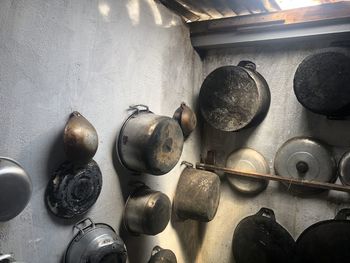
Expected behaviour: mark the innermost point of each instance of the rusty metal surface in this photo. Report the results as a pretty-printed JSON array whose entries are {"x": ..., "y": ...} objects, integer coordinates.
[
  {"x": 234, "y": 97},
  {"x": 73, "y": 189},
  {"x": 80, "y": 139},
  {"x": 197, "y": 195}
]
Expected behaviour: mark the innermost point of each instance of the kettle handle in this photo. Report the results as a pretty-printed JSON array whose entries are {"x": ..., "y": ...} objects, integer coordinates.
[
  {"x": 343, "y": 214},
  {"x": 155, "y": 250},
  {"x": 266, "y": 212},
  {"x": 139, "y": 107},
  {"x": 247, "y": 64},
  {"x": 82, "y": 229}
]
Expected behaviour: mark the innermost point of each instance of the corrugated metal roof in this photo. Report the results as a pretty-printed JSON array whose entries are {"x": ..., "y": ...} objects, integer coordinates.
[{"x": 197, "y": 10}]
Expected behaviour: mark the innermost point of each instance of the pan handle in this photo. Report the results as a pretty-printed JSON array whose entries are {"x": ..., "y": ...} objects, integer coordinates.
[
  {"x": 343, "y": 214},
  {"x": 82, "y": 229},
  {"x": 267, "y": 212}
]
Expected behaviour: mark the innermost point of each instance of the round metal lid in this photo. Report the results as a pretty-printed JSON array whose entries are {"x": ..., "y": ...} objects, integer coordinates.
[
  {"x": 15, "y": 189},
  {"x": 321, "y": 83},
  {"x": 73, "y": 189},
  {"x": 344, "y": 168},
  {"x": 229, "y": 98},
  {"x": 247, "y": 160},
  {"x": 305, "y": 158}
]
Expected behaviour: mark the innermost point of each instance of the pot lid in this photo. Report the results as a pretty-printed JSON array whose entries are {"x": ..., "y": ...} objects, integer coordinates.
[
  {"x": 344, "y": 168},
  {"x": 305, "y": 158},
  {"x": 15, "y": 189},
  {"x": 73, "y": 189},
  {"x": 247, "y": 160},
  {"x": 326, "y": 241},
  {"x": 259, "y": 238},
  {"x": 321, "y": 83},
  {"x": 229, "y": 98}
]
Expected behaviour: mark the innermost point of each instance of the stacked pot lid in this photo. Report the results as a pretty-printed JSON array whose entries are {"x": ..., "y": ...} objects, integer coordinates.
[{"x": 305, "y": 158}]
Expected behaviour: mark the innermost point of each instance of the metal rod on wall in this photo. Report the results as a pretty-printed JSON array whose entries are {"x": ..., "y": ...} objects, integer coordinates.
[{"x": 272, "y": 177}]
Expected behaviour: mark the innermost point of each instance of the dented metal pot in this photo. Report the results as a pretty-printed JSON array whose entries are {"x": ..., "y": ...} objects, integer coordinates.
[
  {"x": 149, "y": 143},
  {"x": 234, "y": 97},
  {"x": 147, "y": 211},
  {"x": 197, "y": 195}
]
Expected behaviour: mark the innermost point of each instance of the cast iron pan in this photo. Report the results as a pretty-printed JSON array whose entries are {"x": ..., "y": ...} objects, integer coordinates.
[
  {"x": 326, "y": 241},
  {"x": 260, "y": 239}
]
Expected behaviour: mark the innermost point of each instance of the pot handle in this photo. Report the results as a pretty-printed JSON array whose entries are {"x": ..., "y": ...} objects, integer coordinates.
[
  {"x": 82, "y": 229},
  {"x": 343, "y": 214},
  {"x": 247, "y": 64},
  {"x": 267, "y": 212},
  {"x": 139, "y": 107},
  {"x": 155, "y": 250}
]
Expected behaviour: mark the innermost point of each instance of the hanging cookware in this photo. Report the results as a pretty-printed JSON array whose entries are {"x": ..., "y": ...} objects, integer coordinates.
[
  {"x": 160, "y": 255},
  {"x": 322, "y": 83},
  {"x": 80, "y": 139},
  {"x": 234, "y": 97},
  {"x": 259, "y": 238},
  {"x": 146, "y": 211},
  {"x": 197, "y": 195},
  {"x": 247, "y": 160},
  {"x": 149, "y": 143},
  {"x": 6, "y": 258},
  {"x": 186, "y": 118},
  {"x": 344, "y": 168},
  {"x": 95, "y": 243},
  {"x": 73, "y": 189},
  {"x": 15, "y": 189},
  {"x": 326, "y": 241},
  {"x": 308, "y": 159}
]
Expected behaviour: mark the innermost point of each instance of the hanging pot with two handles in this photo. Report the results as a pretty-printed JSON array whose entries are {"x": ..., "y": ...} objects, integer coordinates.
[
  {"x": 149, "y": 143},
  {"x": 234, "y": 97}
]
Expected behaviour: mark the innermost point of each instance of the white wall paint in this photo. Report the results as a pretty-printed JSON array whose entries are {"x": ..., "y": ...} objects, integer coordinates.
[{"x": 97, "y": 57}]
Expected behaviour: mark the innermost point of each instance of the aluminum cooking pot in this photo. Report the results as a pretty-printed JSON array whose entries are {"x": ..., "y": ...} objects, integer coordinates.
[
  {"x": 149, "y": 143},
  {"x": 147, "y": 211},
  {"x": 15, "y": 189},
  {"x": 95, "y": 243},
  {"x": 234, "y": 97}
]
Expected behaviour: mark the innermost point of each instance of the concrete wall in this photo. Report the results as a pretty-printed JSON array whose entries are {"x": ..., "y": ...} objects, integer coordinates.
[
  {"x": 96, "y": 57},
  {"x": 286, "y": 119}
]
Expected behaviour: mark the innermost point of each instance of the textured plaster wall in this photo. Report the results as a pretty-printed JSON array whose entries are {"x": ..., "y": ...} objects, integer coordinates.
[
  {"x": 286, "y": 119},
  {"x": 97, "y": 57}
]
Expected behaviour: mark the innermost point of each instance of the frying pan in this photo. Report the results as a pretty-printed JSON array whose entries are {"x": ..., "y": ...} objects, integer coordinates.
[
  {"x": 326, "y": 241},
  {"x": 259, "y": 238}
]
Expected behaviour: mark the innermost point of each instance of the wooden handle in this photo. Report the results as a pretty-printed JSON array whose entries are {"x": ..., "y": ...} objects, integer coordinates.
[{"x": 272, "y": 177}]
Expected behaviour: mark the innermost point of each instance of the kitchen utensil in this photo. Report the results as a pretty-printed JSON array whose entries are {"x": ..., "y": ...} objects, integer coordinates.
[
  {"x": 149, "y": 143},
  {"x": 234, "y": 97},
  {"x": 80, "y": 139},
  {"x": 73, "y": 189},
  {"x": 160, "y": 255},
  {"x": 95, "y": 243},
  {"x": 147, "y": 211},
  {"x": 15, "y": 188},
  {"x": 306, "y": 159},
  {"x": 326, "y": 241},
  {"x": 322, "y": 83},
  {"x": 197, "y": 195},
  {"x": 247, "y": 160},
  {"x": 260, "y": 238},
  {"x": 187, "y": 119}
]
